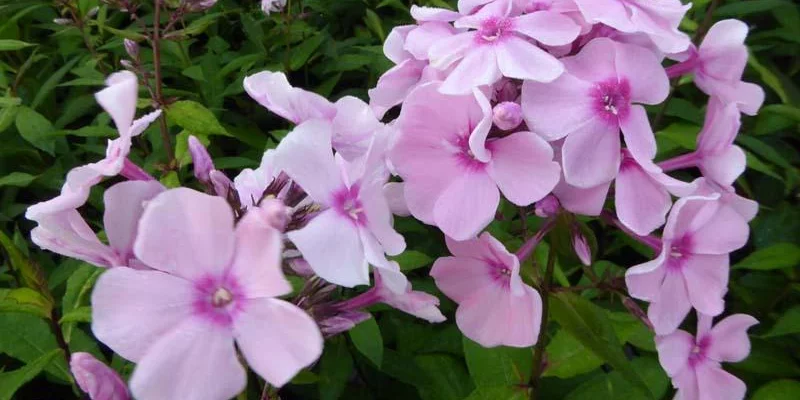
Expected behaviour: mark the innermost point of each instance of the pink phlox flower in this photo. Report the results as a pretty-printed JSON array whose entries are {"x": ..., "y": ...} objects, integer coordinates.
[
  {"x": 354, "y": 227},
  {"x": 693, "y": 363},
  {"x": 271, "y": 6},
  {"x": 68, "y": 234},
  {"x": 119, "y": 101},
  {"x": 419, "y": 304},
  {"x": 717, "y": 157},
  {"x": 352, "y": 121},
  {"x": 693, "y": 267},
  {"x": 659, "y": 19},
  {"x": 728, "y": 197},
  {"x": 96, "y": 379},
  {"x": 212, "y": 291},
  {"x": 591, "y": 102},
  {"x": 439, "y": 151},
  {"x": 495, "y": 308},
  {"x": 496, "y": 43},
  {"x": 250, "y": 184}
]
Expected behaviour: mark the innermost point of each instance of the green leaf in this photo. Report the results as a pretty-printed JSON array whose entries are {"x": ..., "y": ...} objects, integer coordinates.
[
  {"x": 497, "y": 366},
  {"x": 589, "y": 324},
  {"x": 26, "y": 338},
  {"x": 613, "y": 386},
  {"x": 25, "y": 300},
  {"x": 769, "y": 77},
  {"x": 52, "y": 81},
  {"x": 336, "y": 366},
  {"x": 301, "y": 54},
  {"x": 778, "y": 390},
  {"x": 769, "y": 360},
  {"x": 777, "y": 256},
  {"x": 10, "y": 382},
  {"x": 28, "y": 272},
  {"x": 449, "y": 379},
  {"x": 756, "y": 164},
  {"x": 787, "y": 324},
  {"x": 305, "y": 377},
  {"x": 410, "y": 260},
  {"x": 80, "y": 314},
  {"x": 182, "y": 146},
  {"x": 741, "y": 8},
  {"x": 11, "y": 45},
  {"x": 195, "y": 118},
  {"x": 18, "y": 179},
  {"x": 36, "y": 129},
  {"x": 498, "y": 393},
  {"x": 367, "y": 338},
  {"x": 567, "y": 357},
  {"x": 373, "y": 22}
]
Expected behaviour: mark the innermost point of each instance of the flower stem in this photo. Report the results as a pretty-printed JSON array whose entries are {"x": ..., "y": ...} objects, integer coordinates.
[
  {"x": 688, "y": 160},
  {"x": 538, "y": 355},
  {"x": 686, "y": 67},
  {"x": 159, "y": 82},
  {"x": 650, "y": 241}
]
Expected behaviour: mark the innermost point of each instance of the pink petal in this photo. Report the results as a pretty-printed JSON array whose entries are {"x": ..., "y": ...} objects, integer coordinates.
[
  {"x": 96, "y": 379},
  {"x": 306, "y": 156},
  {"x": 716, "y": 384},
  {"x": 723, "y": 168},
  {"x": 477, "y": 138},
  {"x": 558, "y": 108},
  {"x": 394, "y": 85},
  {"x": 520, "y": 59},
  {"x": 445, "y": 52},
  {"x": 277, "y": 339},
  {"x": 125, "y": 203},
  {"x": 643, "y": 70},
  {"x": 591, "y": 155},
  {"x": 729, "y": 341},
  {"x": 479, "y": 67},
  {"x": 118, "y": 99},
  {"x": 689, "y": 214},
  {"x": 467, "y": 205},
  {"x": 393, "y": 192},
  {"x": 353, "y": 127},
  {"x": 721, "y": 125},
  {"x": 142, "y": 123},
  {"x": 186, "y": 233},
  {"x": 132, "y": 309},
  {"x": 394, "y": 45},
  {"x": 195, "y": 360},
  {"x": 549, "y": 28},
  {"x": 257, "y": 263},
  {"x": 747, "y": 96},
  {"x": 379, "y": 219},
  {"x": 419, "y": 304},
  {"x": 723, "y": 233},
  {"x": 638, "y": 134},
  {"x": 674, "y": 350},
  {"x": 68, "y": 234},
  {"x": 331, "y": 245},
  {"x": 495, "y": 317},
  {"x": 588, "y": 201},
  {"x": 669, "y": 309},
  {"x": 641, "y": 202},
  {"x": 686, "y": 383},
  {"x": 706, "y": 280},
  {"x": 433, "y": 14},
  {"x": 644, "y": 280},
  {"x": 420, "y": 39},
  {"x": 466, "y": 7},
  {"x": 460, "y": 277},
  {"x": 522, "y": 167},
  {"x": 596, "y": 61},
  {"x": 273, "y": 91},
  {"x": 723, "y": 53},
  {"x": 609, "y": 12}
]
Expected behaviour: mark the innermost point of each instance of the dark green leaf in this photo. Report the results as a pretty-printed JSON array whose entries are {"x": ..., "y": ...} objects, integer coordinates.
[
  {"x": 195, "y": 118},
  {"x": 25, "y": 300},
  {"x": 787, "y": 324},
  {"x": 777, "y": 256},
  {"x": 36, "y": 129},
  {"x": 19, "y": 179},
  {"x": 366, "y": 337},
  {"x": 497, "y": 366},
  {"x": 778, "y": 390},
  {"x": 410, "y": 260},
  {"x": 26, "y": 338},
  {"x": 10, "y": 382},
  {"x": 336, "y": 366}
]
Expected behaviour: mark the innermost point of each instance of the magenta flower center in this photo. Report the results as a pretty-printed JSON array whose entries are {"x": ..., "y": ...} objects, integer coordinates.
[
  {"x": 612, "y": 99},
  {"x": 698, "y": 353},
  {"x": 218, "y": 299},
  {"x": 348, "y": 204},
  {"x": 679, "y": 253},
  {"x": 221, "y": 297},
  {"x": 500, "y": 273},
  {"x": 493, "y": 29}
]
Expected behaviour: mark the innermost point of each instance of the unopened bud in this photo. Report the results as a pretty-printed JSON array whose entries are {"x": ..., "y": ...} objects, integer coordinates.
[
  {"x": 63, "y": 21},
  {"x": 581, "y": 248},
  {"x": 342, "y": 322},
  {"x": 201, "y": 160},
  {"x": 222, "y": 184},
  {"x": 97, "y": 379},
  {"x": 127, "y": 64},
  {"x": 507, "y": 115},
  {"x": 200, "y": 5},
  {"x": 637, "y": 311},
  {"x": 132, "y": 48},
  {"x": 547, "y": 207}
]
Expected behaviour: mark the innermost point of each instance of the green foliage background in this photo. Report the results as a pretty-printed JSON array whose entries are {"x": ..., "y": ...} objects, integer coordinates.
[{"x": 49, "y": 122}]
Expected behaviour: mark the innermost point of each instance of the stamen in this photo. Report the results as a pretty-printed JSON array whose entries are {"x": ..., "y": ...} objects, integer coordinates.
[{"x": 221, "y": 297}]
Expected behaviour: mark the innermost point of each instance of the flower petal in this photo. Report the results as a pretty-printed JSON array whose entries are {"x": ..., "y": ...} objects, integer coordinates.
[
  {"x": 714, "y": 383},
  {"x": 556, "y": 109},
  {"x": 273, "y": 91},
  {"x": 520, "y": 59},
  {"x": 477, "y": 68},
  {"x": 548, "y": 27},
  {"x": 125, "y": 203},
  {"x": 729, "y": 341},
  {"x": 706, "y": 278},
  {"x": 591, "y": 155},
  {"x": 639, "y": 137},
  {"x": 674, "y": 350},
  {"x": 522, "y": 166},
  {"x": 641, "y": 202},
  {"x": 257, "y": 262},
  {"x": 642, "y": 69},
  {"x": 495, "y": 317},
  {"x": 467, "y": 205},
  {"x": 669, "y": 309},
  {"x": 118, "y": 99}
]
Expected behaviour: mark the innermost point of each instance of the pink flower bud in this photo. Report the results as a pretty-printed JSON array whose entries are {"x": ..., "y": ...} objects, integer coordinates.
[
  {"x": 221, "y": 183},
  {"x": 547, "y": 207},
  {"x": 201, "y": 5},
  {"x": 342, "y": 322},
  {"x": 581, "y": 248},
  {"x": 507, "y": 115},
  {"x": 127, "y": 64},
  {"x": 201, "y": 159},
  {"x": 132, "y": 48},
  {"x": 97, "y": 379},
  {"x": 300, "y": 266}
]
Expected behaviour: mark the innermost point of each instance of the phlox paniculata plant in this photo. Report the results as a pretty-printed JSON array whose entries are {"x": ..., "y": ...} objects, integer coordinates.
[{"x": 538, "y": 102}]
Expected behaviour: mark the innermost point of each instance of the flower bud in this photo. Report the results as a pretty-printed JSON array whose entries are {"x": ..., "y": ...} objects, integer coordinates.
[
  {"x": 127, "y": 64},
  {"x": 97, "y": 379},
  {"x": 222, "y": 184},
  {"x": 63, "y": 21},
  {"x": 342, "y": 322},
  {"x": 582, "y": 249},
  {"x": 201, "y": 159},
  {"x": 507, "y": 115},
  {"x": 547, "y": 207},
  {"x": 132, "y": 48},
  {"x": 200, "y": 5}
]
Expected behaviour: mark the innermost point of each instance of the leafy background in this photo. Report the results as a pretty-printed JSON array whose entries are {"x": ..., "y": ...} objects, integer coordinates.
[{"x": 49, "y": 122}]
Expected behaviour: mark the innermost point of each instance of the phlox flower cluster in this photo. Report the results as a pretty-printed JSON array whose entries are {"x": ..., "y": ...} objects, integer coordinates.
[{"x": 542, "y": 103}]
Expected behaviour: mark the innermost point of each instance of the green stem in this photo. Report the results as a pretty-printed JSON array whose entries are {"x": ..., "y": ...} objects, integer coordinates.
[
  {"x": 538, "y": 355},
  {"x": 159, "y": 83}
]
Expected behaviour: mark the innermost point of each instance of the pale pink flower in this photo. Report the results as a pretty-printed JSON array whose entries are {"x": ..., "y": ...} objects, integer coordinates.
[
  {"x": 271, "y": 6},
  {"x": 693, "y": 266},
  {"x": 453, "y": 174},
  {"x": 499, "y": 44},
  {"x": 495, "y": 308},
  {"x": 352, "y": 121},
  {"x": 119, "y": 100},
  {"x": 213, "y": 285},
  {"x": 68, "y": 234},
  {"x": 250, "y": 184},
  {"x": 719, "y": 64},
  {"x": 592, "y": 102},
  {"x": 201, "y": 160},
  {"x": 354, "y": 227},
  {"x": 693, "y": 363},
  {"x": 96, "y": 379},
  {"x": 658, "y": 19},
  {"x": 727, "y": 197}
]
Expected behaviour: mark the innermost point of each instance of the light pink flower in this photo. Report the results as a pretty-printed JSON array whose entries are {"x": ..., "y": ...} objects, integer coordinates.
[
  {"x": 250, "y": 184},
  {"x": 119, "y": 100},
  {"x": 440, "y": 143},
  {"x": 658, "y": 19},
  {"x": 212, "y": 285},
  {"x": 96, "y": 379},
  {"x": 498, "y": 44},
  {"x": 693, "y": 266},
  {"x": 592, "y": 102},
  {"x": 694, "y": 363},
  {"x": 352, "y": 121},
  {"x": 270, "y": 6},
  {"x": 68, "y": 234},
  {"x": 354, "y": 229},
  {"x": 727, "y": 197},
  {"x": 495, "y": 308}
]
